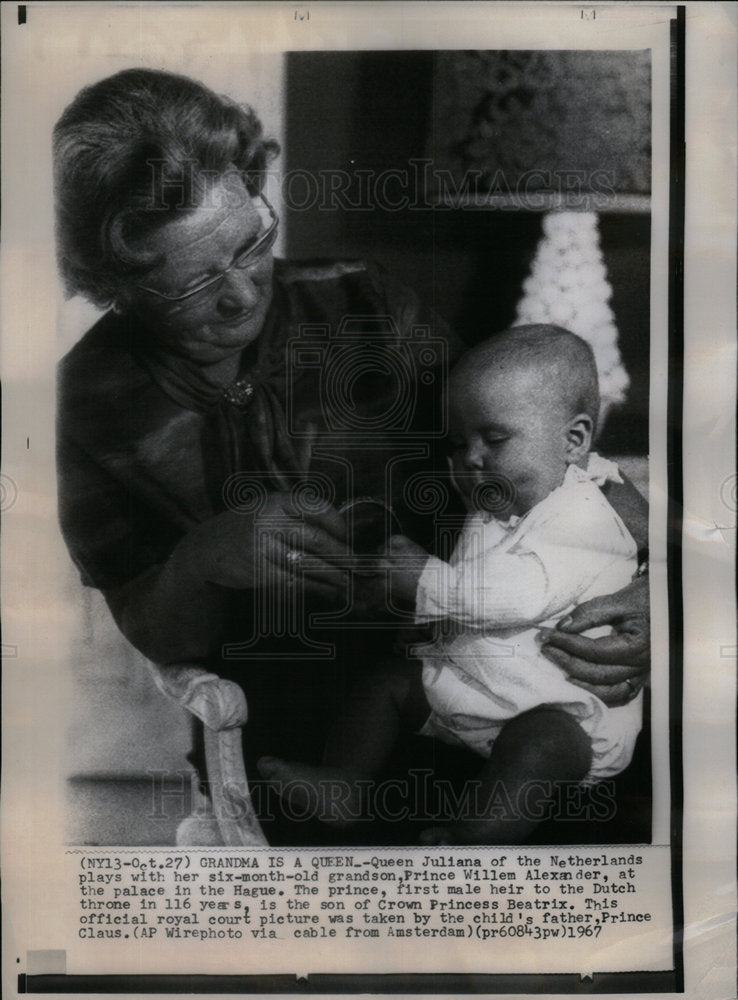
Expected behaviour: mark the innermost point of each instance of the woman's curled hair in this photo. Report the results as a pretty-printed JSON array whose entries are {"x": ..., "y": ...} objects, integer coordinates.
[{"x": 130, "y": 152}]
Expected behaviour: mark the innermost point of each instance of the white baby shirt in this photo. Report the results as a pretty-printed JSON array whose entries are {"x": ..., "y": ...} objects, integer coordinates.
[{"x": 502, "y": 583}]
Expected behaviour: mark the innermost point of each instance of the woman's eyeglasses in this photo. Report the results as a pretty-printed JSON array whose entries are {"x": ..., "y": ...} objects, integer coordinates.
[{"x": 250, "y": 257}]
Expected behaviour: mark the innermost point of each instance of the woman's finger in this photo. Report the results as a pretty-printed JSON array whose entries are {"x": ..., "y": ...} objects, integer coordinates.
[
  {"x": 630, "y": 602},
  {"x": 612, "y": 695},
  {"x": 311, "y": 547},
  {"x": 623, "y": 648},
  {"x": 319, "y": 542},
  {"x": 330, "y": 521},
  {"x": 274, "y": 536},
  {"x": 283, "y": 511},
  {"x": 330, "y": 585},
  {"x": 325, "y": 574},
  {"x": 295, "y": 563},
  {"x": 327, "y": 592},
  {"x": 606, "y": 674}
]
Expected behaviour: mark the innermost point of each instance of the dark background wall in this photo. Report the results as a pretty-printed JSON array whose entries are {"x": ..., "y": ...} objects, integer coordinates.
[{"x": 354, "y": 112}]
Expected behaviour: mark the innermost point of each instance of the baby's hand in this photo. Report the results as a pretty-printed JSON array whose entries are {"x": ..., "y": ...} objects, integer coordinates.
[
  {"x": 398, "y": 547},
  {"x": 404, "y": 562}
]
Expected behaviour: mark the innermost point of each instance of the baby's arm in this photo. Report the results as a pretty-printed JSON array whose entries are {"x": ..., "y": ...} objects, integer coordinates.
[
  {"x": 404, "y": 562},
  {"x": 486, "y": 590},
  {"x": 494, "y": 590},
  {"x": 540, "y": 572}
]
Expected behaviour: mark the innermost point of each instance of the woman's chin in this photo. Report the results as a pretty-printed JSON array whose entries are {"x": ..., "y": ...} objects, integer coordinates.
[{"x": 222, "y": 342}]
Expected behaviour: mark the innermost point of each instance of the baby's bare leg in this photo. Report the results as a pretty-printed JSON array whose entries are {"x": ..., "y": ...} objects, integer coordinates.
[
  {"x": 359, "y": 746},
  {"x": 388, "y": 702},
  {"x": 533, "y": 753}
]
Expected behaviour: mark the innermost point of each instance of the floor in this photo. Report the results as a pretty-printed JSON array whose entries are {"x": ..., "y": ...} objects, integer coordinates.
[{"x": 143, "y": 811}]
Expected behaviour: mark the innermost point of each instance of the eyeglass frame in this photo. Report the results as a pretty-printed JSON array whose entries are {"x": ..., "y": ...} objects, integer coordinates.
[{"x": 267, "y": 234}]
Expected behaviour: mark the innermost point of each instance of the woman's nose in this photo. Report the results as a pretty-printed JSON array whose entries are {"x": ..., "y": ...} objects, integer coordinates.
[
  {"x": 237, "y": 294},
  {"x": 474, "y": 455}
]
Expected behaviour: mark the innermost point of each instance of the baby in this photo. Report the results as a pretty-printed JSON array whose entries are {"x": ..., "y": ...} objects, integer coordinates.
[{"x": 539, "y": 538}]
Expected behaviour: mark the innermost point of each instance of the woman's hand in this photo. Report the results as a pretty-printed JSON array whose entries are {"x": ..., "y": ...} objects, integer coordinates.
[
  {"x": 275, "y": 548},
  {"x": 614, "y": 667}
]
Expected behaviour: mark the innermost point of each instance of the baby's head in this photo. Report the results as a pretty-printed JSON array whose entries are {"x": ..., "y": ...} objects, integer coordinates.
[{"x": 523, "y": 407}]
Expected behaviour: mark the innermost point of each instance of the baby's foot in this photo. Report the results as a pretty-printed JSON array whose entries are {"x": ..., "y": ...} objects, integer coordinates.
[{"x": 328, "y": 794}]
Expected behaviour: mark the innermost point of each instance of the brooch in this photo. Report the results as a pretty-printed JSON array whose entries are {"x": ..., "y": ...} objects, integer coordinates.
[{"x": 239, "y": 394}]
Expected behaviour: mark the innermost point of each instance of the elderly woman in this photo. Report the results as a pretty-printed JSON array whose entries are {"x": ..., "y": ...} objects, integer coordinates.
[{"x": 217, "y": 419}]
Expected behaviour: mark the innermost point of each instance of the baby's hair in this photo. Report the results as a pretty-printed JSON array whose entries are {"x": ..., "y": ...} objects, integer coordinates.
[{"x": 564, "y": 359}]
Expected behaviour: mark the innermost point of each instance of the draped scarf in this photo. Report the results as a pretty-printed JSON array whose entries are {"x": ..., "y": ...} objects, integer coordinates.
[{"x": 244, "y": 424}]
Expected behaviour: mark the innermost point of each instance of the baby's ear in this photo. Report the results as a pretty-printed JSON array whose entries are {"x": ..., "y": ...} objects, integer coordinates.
[{"x": 579, "y": 432}]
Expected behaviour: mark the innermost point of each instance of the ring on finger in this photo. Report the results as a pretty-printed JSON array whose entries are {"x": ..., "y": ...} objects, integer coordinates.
[
  {"x": 633, "y": 689},
  {"x": 293, "y": 557}
]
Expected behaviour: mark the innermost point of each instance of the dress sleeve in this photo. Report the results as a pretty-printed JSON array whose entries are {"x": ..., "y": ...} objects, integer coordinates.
[{"x": 110, "y": 536}]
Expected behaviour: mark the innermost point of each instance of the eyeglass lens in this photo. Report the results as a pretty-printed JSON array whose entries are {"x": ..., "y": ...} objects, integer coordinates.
[{"x": 251, "y": 256}]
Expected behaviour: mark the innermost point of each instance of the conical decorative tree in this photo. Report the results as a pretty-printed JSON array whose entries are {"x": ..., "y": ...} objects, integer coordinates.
[{"x": 568, "y": 286}]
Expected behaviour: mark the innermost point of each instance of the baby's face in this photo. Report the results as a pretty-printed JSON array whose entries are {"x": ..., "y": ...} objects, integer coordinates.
[{"x": 508, "y": 436}]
